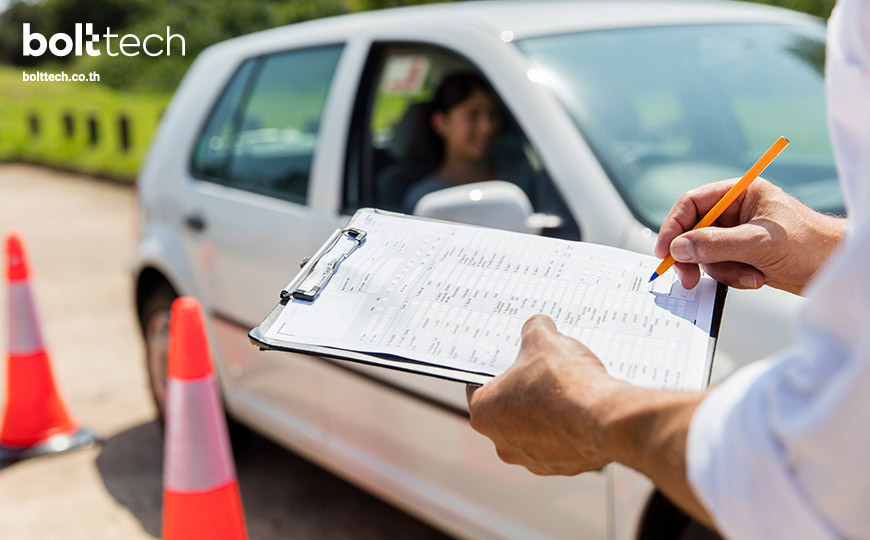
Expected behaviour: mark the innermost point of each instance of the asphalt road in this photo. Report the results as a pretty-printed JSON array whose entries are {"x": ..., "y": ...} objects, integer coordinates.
[{"x": 79, "y": 235}]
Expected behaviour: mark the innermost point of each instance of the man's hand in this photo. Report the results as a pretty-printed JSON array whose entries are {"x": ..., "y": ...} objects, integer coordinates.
[
  {"x": 556, "y": 411},
  {"x": 540, "y": 412},
  {"x": 766, "y": 237}
]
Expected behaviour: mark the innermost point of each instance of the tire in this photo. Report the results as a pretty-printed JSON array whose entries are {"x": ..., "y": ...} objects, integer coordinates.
[
  {"x": 155, "y": 332},
  {"x": 154, "y": 319}
]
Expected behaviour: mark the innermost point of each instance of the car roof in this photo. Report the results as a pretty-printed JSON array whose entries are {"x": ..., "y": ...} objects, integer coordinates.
[
  {"x": 532, "y": 18},
  {"x": 523, "y": 19}
]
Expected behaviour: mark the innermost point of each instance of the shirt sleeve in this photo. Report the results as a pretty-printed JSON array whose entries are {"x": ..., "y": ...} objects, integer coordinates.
[
  {"x": 781, "y": 449},
  {"x": 847, "y": 84}
]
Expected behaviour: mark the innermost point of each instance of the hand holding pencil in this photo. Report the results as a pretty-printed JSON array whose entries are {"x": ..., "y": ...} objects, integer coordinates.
[{"x": 764, "y": 236}]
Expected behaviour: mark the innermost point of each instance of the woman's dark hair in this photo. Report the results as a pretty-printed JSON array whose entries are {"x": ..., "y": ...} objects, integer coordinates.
[
  {"x": 452, "y": 91},
  {"x": 456, "y": 88}
]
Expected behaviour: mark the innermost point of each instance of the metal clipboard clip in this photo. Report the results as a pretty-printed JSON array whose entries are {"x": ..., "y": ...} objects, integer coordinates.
[{"x": 357, "y": 235}]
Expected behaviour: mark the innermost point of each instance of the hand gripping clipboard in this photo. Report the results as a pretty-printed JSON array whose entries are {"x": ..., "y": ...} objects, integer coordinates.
[
  {"x": 300, "y": 287},
  {"x": 311, "y": 280}
]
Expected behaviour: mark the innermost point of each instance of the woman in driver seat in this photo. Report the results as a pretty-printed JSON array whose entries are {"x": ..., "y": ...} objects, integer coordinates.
[{"x": 466, "y": 117}]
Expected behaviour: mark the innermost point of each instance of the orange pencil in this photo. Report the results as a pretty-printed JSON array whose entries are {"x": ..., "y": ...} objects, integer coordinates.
[{"x": 730, "y": 197}]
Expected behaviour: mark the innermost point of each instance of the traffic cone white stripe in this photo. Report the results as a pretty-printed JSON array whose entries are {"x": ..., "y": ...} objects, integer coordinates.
[
  {"x": 24, "y": 335},
  {"x": 194, "y": 422}
]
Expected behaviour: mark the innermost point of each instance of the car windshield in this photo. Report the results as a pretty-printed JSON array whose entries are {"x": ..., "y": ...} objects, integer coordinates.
[{"x": 667, "y": 109}]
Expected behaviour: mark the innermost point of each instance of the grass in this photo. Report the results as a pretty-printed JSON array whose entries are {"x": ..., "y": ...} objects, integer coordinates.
[{"x": 50, "y": 101}]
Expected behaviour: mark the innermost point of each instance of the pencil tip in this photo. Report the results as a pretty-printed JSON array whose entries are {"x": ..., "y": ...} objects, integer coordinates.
[{"x": 654, "y": 276}]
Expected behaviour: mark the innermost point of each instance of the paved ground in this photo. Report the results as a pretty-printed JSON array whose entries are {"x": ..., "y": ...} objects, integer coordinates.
[{"x": 79, "y": 233}]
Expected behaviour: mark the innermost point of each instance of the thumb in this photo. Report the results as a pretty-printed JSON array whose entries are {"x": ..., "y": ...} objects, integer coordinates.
[{"x": 719, "y": 244}]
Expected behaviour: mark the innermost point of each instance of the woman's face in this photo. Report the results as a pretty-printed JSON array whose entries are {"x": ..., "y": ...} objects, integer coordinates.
[{"x": 470, "y": 126}]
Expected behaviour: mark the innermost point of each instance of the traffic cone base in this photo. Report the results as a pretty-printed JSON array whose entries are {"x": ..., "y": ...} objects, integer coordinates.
[
  {"x": 211, "y": 514},
  {"x": 35, "y": 409},
  {"x": 56, "y": 444}
]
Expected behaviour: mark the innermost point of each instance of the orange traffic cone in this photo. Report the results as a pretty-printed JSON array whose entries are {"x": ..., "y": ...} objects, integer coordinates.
[
  {"x": 200, "y": 493},
  {"x": 36, "y": 421}
]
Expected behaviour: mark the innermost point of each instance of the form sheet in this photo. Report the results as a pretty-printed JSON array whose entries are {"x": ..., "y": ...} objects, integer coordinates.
[{"x": 458, "y": 296}]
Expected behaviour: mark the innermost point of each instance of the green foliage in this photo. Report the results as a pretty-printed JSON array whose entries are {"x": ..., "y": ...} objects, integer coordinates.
[
  {"x": 201, "y": 22},
  {"x": 819, "y": 8},
  {"x": 50, "y": 101}
]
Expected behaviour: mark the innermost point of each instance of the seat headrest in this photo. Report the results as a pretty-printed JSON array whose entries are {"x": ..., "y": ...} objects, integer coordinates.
[{"x": 413, "y": 139}]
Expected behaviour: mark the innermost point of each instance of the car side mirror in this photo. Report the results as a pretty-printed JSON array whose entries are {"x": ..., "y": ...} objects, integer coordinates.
[{"x": 495, "y": 203}]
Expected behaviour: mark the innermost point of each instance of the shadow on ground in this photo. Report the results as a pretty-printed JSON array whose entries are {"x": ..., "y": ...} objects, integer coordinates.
[{"x": 284, "y": 496}]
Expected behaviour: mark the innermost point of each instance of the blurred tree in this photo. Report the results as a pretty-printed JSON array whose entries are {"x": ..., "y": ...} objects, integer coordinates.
[{"x": 10, "y": 30}]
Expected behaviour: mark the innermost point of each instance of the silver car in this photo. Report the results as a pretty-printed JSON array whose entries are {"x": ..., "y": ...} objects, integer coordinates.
[{"x": 611, "y": 110}]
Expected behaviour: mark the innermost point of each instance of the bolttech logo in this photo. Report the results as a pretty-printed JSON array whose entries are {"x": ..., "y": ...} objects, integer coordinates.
[{"x": 85, "y": 39}]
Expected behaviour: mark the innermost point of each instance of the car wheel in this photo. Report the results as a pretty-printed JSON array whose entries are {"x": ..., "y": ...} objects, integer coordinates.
[{"x": 155, "y": 329}]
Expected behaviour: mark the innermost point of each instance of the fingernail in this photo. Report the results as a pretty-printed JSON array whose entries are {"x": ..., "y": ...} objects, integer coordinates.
[
  {"x": 749, "y": 281},
  {"x": 682, "y": 249}
]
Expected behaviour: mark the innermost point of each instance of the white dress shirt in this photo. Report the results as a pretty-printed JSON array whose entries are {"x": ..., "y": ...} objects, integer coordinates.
[{"x": 782, "y": 448}]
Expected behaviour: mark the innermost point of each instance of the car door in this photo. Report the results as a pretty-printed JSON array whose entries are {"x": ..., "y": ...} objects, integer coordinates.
[
  {"x": 407, "y": 437},
  {"x": 248, "y": 224}
]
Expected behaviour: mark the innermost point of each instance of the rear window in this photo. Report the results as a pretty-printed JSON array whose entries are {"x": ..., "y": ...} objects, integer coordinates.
[{"x": 262, "y": 134}]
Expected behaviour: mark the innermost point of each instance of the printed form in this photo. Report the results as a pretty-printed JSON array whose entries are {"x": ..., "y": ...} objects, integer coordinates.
[{"x": 457, "y": 296}]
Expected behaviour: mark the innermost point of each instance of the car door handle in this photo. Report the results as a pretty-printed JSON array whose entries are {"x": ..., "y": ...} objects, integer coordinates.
[{"x": 195, "y": 222}]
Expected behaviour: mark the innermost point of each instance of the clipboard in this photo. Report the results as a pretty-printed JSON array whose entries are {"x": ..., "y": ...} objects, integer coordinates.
[
  {"x": 300, "y": 288},
  {"x": 294, "y": 290}
]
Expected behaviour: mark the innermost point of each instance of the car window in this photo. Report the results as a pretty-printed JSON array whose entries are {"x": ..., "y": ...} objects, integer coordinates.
[
  {"x": 399, "y": 149},
  {"x": 668, "y": 109},
  {"x": 270, "y": 142},
  {"x": 213, "y": 148}
]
